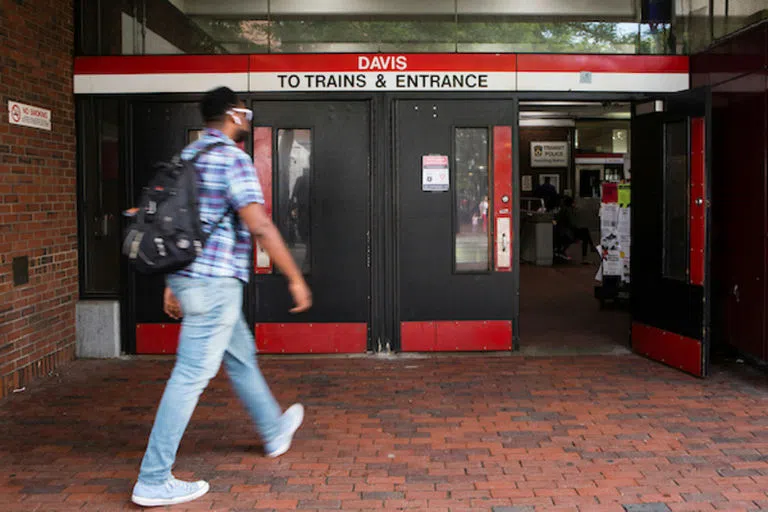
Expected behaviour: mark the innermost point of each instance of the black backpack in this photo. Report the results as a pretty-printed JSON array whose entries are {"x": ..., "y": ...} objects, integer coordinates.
[{"x": 166, "y": 234}]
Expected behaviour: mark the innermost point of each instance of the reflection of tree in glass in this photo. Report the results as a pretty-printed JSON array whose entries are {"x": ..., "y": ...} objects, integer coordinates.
[
  {"x": 471, "y": 174},
  {"x": 556, "y": 37},
  {"x": 472, "y": 199}
]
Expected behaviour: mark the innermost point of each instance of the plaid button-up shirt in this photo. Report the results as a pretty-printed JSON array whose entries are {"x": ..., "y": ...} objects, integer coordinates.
[{"x": 226, "y": 179}]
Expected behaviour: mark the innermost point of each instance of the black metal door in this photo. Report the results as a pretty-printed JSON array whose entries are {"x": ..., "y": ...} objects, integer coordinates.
[
  {"x": 160, "y": 130},
  {"x": 670, "y": 230},
  {"x": 318, "y": 188},
  {"x": 451, "y": 293}
]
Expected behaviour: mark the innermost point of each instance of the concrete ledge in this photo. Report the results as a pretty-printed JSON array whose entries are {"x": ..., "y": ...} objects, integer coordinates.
[{"x": 98, "y": 329}]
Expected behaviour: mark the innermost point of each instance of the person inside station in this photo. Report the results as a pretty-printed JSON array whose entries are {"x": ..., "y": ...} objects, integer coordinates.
[
  {"x": 300, "y": 205},
  {"x": 483, "y": 207},
  {"x": 568, "y": 231},
  {"x": 548, "y": 193}
]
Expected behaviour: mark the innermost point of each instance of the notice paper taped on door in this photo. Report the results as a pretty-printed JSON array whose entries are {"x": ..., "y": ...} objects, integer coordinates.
[{"x": 434, "y": 173}]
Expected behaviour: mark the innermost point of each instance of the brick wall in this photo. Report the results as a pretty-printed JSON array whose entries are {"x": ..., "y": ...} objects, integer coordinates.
[{"x": 37, "y": 192}]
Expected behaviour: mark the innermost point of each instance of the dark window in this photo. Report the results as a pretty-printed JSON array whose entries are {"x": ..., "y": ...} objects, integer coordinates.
[
  {"x": 676, "y": 224},
  {"x": 100, "y": 202},
  {"x": 472, "y": 200},
  {"x": 294, "y": 166}
]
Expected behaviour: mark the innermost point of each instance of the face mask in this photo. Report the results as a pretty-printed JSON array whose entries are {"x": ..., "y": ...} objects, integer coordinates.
[
  {"x": 242, "y": 134},
  {"x": 248, "y": 114}
]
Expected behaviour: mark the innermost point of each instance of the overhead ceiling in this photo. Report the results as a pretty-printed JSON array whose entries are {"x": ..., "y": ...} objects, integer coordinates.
[
  {"x": 574, "y": 110},
  {"x": 596, "y": 9}
]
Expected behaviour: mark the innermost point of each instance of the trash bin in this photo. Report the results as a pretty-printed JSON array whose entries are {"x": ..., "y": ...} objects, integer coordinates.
[{"x": 536, "y": 233}]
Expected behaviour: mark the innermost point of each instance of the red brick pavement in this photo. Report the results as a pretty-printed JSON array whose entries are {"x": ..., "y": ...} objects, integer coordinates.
[{"x": 447, "y": 434}]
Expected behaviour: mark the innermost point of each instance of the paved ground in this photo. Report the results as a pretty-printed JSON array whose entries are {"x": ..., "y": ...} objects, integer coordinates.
[
  {"x": 560, "y": 315},
  {"x": 445, "y": 434}
]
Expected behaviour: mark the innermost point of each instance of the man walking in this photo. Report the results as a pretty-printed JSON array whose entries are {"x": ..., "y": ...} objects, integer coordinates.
[{"x": 208, "y": 294}]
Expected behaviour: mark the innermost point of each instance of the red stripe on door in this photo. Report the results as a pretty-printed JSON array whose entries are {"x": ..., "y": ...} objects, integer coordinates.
[
  {"x": 459, "y": 336},
  {"x": 698, "y": 198},
  {"x": 350, "y": 338},
  {"x": 157, "y": 338},
  {"x": 150, "y": 64},
  {"x": 314, "y": 338},
  {"x": 418, "y": 336},
  {"x": 502, "y": 197},
  {"x": 603, "y": 63},
  {"x": 669, "y": 348}
]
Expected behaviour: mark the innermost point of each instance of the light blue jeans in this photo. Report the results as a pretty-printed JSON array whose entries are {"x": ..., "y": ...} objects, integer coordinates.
[{"x": 213, "y": 329}]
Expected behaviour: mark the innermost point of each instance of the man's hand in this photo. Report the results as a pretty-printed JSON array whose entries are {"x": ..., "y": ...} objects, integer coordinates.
[
  {"x": 302, "y": 297},
  {"x": 171, "y": 305}
]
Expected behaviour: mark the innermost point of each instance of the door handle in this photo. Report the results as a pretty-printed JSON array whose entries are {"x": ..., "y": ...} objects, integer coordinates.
[
  {"x": 699, "y": 201},
  {"x": 102, "y": 226}
]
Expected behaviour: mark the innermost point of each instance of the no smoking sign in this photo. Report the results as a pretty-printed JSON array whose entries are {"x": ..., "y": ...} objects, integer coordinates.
[
  {"x": 15, "y": 113},
  {"x": 29, "y": 115}
]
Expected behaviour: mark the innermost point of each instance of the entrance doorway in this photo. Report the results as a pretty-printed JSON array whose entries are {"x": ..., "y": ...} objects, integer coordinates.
[
  {"x": 467, "y": 225},
  {"x": 652, "y": 226},
  {"x": 455, "y": 224},
  {"x": 313, "y": 162},
  {"x": 568, "y": 152},
  {"x": 313, "y": 159}
]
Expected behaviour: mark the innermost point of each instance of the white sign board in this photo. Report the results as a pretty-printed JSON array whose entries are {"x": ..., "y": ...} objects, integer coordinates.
[
  {"x": 503, "y": 243},
  {"x": 434, "y": 173},
  {"x": 28, "y": 115},
  {"x": 527, "y": 183},
  {"x": 414, "y": 72},
  {"x": 549, "y": 154}
]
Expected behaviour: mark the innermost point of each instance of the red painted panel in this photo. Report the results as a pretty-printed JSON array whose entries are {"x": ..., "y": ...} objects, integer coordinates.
[
  {"x": 502, "y": 189},
  {"x": 462, "y": 336},
  {"x": 270, "y": 338},
  {"x": 262, "y": 161},
  {"x": 315, "y": 338},
  {"x": 474, "y": 336},
  {"x": 603, "y": 63},
  {"x": 417, "y": 336},
  {"x": 157, "y": 338},
  {"x": 698, "y": 198},
  {"x": 610, "y": 193},
  {"x": 146, "y": 64},
  {"x": 669, "y": 348}
]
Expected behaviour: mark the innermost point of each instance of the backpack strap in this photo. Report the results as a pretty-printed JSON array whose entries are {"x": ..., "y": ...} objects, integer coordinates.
[
  {"x": 216, "y": 224},
  {"x": 206, "y": 149}
]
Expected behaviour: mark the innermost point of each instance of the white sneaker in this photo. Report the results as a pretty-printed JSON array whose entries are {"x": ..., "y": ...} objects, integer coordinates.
[
  {"x": 171, "y": 492},
  {"x": 291, "y": 419}
]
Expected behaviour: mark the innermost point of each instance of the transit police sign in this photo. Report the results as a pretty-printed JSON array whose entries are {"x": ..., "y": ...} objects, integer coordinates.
[{"x": 549, "y": 154}]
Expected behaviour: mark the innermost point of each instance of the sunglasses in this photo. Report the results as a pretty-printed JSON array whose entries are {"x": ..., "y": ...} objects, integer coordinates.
[{"x": 248, "y": 113}]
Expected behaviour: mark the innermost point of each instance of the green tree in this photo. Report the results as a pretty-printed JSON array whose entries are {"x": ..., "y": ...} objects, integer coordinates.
[{"x": 424, "y": 35}]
